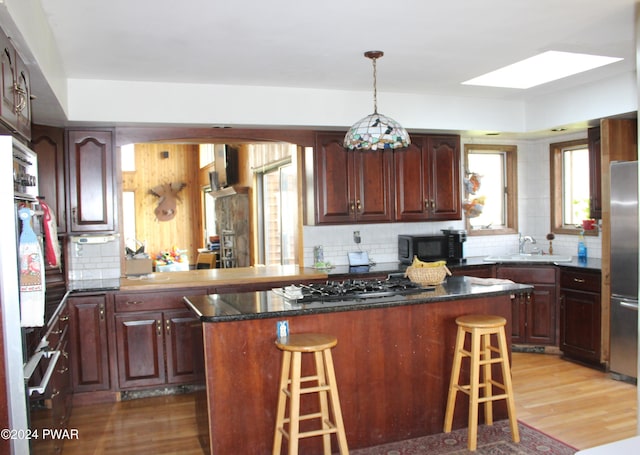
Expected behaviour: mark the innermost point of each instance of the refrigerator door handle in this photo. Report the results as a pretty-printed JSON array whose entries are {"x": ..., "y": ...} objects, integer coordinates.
[{"x": 630, "y": 305}]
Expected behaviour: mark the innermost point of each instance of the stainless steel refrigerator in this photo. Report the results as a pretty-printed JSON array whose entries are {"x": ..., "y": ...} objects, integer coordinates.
[{"x": 624, "y": 270}]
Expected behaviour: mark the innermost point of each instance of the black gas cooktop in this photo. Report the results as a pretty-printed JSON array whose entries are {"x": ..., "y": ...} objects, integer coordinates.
[{"x": 356, "y": 289}]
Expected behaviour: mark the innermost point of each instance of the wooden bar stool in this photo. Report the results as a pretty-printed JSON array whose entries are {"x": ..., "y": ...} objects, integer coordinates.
[
  {"x": 323, "y": 383},
  {"x": 481, "y": 355}
]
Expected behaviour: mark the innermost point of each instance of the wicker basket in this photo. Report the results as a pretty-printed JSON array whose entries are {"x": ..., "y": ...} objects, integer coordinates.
[{"x": 427, "y": 275}]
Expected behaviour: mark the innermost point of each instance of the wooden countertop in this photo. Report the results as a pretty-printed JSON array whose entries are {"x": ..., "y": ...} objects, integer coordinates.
[{"x": 220, "y": 277}]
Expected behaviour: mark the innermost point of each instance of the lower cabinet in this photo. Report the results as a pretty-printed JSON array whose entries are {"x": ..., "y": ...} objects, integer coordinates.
[
  {"x": 158, "y": 341},
  {"x": 534, "y": 316},
  {"x": 580, "y": 315},
  {"x": 88, "y": 350}
]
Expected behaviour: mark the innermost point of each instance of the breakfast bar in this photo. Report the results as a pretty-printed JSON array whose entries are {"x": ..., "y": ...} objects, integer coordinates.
[{"x": 393, "y": 359}]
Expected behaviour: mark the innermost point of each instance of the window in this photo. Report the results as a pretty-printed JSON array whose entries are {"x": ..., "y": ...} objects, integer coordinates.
[
  {"x": 570, "y": 193},
  {"x": 490, "y": 196}
]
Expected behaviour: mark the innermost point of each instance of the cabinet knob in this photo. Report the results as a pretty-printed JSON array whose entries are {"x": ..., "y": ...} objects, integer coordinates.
[
  {"x": 167, "y": 326},
  {"x": 101, "y": 311},
  {"x": 352, "y": 207},
  {"x": 159, "y": 327}
]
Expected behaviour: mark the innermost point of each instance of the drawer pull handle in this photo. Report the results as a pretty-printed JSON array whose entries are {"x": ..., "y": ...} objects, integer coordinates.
[
  {"x": 579, "y": 280},
  {"x": 63, "y": 370},
  {"x": 134, "y": 302},
  {"x": 64, "y": 318},
  {"x": 101, "y": 311},
  {"x": 159, "y": 327},
  {"x": 167, "y": 325}
]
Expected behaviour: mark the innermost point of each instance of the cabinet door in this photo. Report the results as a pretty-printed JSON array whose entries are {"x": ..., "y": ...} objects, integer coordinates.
[
  {"x": 373, "y": 195},
  {"x": 140, "y": 351},
  {"x": 88, "y": 343},
  {"x": 518, "y": 317},
  {"x": 48, "y": 143},
  {"x": 23, "y": 99},
  {"x": 183, "y": 344},
  {"x": 411, "y": 172},
  {"x": 333, "y": 166},
  {"x": 541, "y": 315},
  {"x": 444, "y": 177},
  {"x": 91, "y": 185},
  {"x": 580, "y": 325},
  {"x": 8, "y": 79}
]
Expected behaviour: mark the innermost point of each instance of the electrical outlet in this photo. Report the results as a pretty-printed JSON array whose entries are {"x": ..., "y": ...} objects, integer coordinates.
[{"x": 356, "y": 236}]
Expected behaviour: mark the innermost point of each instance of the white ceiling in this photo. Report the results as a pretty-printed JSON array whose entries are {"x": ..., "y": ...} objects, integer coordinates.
[{"x": 430, "y": 46}]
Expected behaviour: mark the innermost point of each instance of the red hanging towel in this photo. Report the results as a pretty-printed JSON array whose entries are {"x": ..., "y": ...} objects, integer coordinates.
[{"x": 51, "y": 245}]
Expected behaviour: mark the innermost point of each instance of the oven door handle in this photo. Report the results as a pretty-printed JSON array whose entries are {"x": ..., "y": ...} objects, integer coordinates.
[{"x": 31, "y": 365}]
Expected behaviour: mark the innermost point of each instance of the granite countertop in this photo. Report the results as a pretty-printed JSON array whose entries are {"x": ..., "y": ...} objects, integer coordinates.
[{"x": 268, "y": 304}]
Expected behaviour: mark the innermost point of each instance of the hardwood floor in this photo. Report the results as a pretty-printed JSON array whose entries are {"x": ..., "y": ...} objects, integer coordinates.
[{"x": 578, "y": 405}]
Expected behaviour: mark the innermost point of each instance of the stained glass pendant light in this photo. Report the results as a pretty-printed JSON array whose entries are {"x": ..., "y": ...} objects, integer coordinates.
[{"x": 376, "y": 131}]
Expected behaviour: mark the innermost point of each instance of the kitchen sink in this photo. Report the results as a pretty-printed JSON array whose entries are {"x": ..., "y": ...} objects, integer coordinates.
[{"x": 525, "y": 257}]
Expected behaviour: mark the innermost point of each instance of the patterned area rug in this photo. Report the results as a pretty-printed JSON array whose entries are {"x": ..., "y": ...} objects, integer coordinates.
[{"x": 492, "y": 440}]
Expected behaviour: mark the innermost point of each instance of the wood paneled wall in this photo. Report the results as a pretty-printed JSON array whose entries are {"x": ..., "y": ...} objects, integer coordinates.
[{"x": 186, "y": 229}]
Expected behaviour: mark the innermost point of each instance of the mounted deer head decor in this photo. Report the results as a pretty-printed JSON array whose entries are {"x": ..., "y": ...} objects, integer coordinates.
[{"x": 168, "y": 194}]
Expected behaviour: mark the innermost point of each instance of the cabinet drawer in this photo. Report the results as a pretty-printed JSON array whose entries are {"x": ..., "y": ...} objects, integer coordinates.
[
  {"x": 528, "y": 275},
  {"x": 582, "y": 281},
  {"x": 144, "y": 301}
]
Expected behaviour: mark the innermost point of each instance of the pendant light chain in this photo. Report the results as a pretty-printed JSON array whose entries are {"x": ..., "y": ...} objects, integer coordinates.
[{"x": 375, "y": 86}]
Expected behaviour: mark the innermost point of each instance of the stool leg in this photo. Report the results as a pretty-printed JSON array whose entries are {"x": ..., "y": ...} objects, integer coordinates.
[
  {"x": 474, "y": 379},
  {"x": 294, "y": 404},
  {"x": 335, "y": 402},
  {"x": 455, "y": 375},
  {"x": 322, "y": 396},
  {"x": 506, "y": 374},
  {"x": 488, "y": 387},
  {"x": 282, "y": 400}
]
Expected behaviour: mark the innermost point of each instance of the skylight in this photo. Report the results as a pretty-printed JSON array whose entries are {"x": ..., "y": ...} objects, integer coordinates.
[{"x": 539, "y": 69}]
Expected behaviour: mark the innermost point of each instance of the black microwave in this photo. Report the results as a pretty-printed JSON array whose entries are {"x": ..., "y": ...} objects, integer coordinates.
[{"x": 428, "y": 248}]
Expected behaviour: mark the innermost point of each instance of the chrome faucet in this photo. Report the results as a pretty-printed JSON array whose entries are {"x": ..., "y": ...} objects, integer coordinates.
[{"x": 522, "y": 240}]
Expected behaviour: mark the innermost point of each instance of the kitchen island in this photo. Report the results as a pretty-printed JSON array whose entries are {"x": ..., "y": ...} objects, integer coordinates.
[{"x": 393, "y": 360}]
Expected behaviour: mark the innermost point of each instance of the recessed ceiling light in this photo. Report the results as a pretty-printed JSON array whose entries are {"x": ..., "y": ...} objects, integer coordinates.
[{"x": 539, "y": 69}]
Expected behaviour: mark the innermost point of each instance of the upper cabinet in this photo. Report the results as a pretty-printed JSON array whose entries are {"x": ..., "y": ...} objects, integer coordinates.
[
  {"x": 427, "y": 177},
  {"x": 15, "y": 103},
  {"x": 91, "y": 185},
  {"x": 419, "y": 183},
  {"x": 351, "y": 186},
  {"x": 48, "y": 143}
]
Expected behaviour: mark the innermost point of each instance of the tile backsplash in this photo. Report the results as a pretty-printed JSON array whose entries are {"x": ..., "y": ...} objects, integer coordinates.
[{"x": 93, "y": 265}]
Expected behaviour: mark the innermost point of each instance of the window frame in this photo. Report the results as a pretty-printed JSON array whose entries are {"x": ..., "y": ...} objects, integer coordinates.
[
  {"x": 511, "y": 189},
  {"x": 556, "y": 182}
]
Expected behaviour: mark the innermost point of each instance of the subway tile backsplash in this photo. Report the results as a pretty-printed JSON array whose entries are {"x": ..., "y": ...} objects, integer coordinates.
[{"x": 93, "y": 265}]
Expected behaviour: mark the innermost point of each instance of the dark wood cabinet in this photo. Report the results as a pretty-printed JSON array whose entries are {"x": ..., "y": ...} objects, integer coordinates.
[
  {"x": 15, "y": 103},
  {"x": 580, "y": 315},
  {"x": 48, "y": 143},
  {"x": 140, "y": 352},
  {"x": 427, "y": 179},
  {"x": 88, "y": 349},
  {"x": 158, "y": 341},
  {"x": 91, "y": 186},
  {"x": 595, "y": 171},
  {"x": 534, "y": 315},
  {"x": 351, "y": 187}
]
